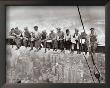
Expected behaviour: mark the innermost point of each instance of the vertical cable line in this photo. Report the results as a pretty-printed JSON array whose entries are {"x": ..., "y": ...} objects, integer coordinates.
[
  {"x": 81, "y": 45},
  {"x": 96, "y": 75}
]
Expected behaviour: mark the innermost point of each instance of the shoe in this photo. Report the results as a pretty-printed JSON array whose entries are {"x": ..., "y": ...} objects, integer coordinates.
[
  {"x": 31, "y": 49},
  {"x": 17, "y": 48},
  {"x": 85, "y": 53},
  {"x": 45, "y": 51},
  {"x": 55, "y": 49},
  {"x": 35, "y": 50}
]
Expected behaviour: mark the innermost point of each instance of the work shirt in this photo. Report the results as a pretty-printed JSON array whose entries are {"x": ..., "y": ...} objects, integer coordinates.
[
  {"x": 44, "y": 36},
  {"x": 27, "y": 34},
  {"x": 60, "y": 35},
  {"x": 83, "y": 37},
  {"x": 37, "y": 35},
  {"x": 77, "y": 37},
  {"x": 17, "y": 32},
  {"x": 93, "y": 38},
  {"x": 11, "y": 33},
  {"x": 52, "y": 36},
  {"x": 73, "y": 39},
  {"x": 67, "y": 37}
]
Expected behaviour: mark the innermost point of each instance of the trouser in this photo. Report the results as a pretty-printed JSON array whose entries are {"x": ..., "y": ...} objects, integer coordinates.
[
  {"x": 37, "y": 43},
  {"x": 84, "y": 48},
  {"x": 32, "y": 44},
  {"x": 18, "y": 42},
  {"x": 25, "y": 42},
  {"x": 72, "y": 46},
  {"x": 61, "y": 44},
  {"x": 44, "y": 43},
  {"x": 78, "y": 47},
  {"x": 10, "y": 42},
  {"x": 55, "y": 44},
  {"x": 68, "y": 45},
  {"x": 93, "y": 48}
]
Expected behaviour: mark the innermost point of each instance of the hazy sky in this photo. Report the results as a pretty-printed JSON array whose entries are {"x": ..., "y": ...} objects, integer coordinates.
[{"x": 50, "y": 17}]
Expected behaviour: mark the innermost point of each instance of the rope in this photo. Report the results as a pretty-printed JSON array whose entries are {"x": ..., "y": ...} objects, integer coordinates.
[
  {"x": 91, "y": 53},
  {"x": 81, "y": 45},
  {"x": 80, "y": 18},
  {"x": 89, "y": 68},
  {"x": 95, "y": 66}
]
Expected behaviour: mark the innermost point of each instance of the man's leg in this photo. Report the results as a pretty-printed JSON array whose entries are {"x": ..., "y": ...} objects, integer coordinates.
[
  {"x": 72, "y": 48},
  {"x": 56, "y": 45},
  {"x": 62, "y": 45},
  {"x": 77, "y": 47},
  {"x": 37, "y": 45},
  {"x": 59, "y": 44},
  {"x": 86, "y": 49},
  {"x": 94, "y": 48},
  {"x": 45, "y": 45},
  {"x": 80, "y": 48},
  {"x": 53, "y": 45},
  {"x": 18, "y": 43},
  {"x": 49, "y": 45},
  {"x": 31, "y": 44},
  {"x": 25, "y": 42},
  {"x": 70, "y": 45}
]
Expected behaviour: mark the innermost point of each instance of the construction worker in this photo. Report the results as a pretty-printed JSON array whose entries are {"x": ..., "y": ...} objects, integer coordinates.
[
  {"x": 11, "y": 37},
  {"x": 73, "y": 42},
  {"x": 53, "y": 40},
  {"x": 26, "y": 37},
  {"x": 67, "y": 38},
  {"x": 92, "y": 41},
  {"x": 32, "y": 41},
  {"x": 83, "y": 42},
  {"x": 77, "y": 39},
  {"x": 44, "y": 39},
  {"x": 18, "y": 39},
  {"x": 37, "y": 38},
  {"x": 60, "y": 39}
]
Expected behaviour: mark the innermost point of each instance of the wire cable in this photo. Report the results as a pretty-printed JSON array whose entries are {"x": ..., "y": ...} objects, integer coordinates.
[{"x": 98, "y": 74}]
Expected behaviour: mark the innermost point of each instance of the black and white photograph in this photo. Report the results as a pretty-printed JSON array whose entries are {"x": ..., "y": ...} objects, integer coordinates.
[{"x": 55, "y": 44}]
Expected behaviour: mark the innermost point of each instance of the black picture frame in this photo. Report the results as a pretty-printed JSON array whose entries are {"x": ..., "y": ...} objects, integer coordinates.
[{"x": 5, "y": 3}]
